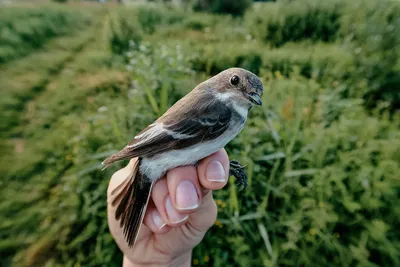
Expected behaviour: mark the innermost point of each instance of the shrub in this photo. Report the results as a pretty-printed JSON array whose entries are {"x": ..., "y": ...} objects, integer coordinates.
[
  {"x": 375, "y": 34},
  {"x": 215, "y": 58},
  {"x": 149, "y": 17},
  {"x": 200, "y": 21},
  {"x": 122, "y": 29},
  {"x": 281, "y": 22},
  {"x": 129, "y": 24},
  {"x": 325, "y": 63},
  {"x": 369, "y": 30},
  {"x": 159, "y": 71},
  {"x": 237, "y": 7}
]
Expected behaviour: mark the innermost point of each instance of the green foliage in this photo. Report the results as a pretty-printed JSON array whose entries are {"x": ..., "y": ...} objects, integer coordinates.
[
  {"x": 23, "y": 79},
  {"x": 23, "y": 30},
  {"x": 127, "y": 25},
  {"x": 214, "y": 58},
  {"x": 122, "y": 30},
  {"x": 284, "y": 21},
  {"x": 150, "y": 17},
  {"x": 375, "y": 35},
  {"x": 315, "y": 183},
  {"x": 322, "y": 166},
  {"x": 237, "y": 7},
  {"x": 159, "y": 71},
  {"x": 367, "y": 28},
  {"x": 37, "y": 228}
]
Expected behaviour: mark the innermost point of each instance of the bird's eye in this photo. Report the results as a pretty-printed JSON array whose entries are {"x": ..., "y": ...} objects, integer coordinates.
[{"x": 234, "y": 80}]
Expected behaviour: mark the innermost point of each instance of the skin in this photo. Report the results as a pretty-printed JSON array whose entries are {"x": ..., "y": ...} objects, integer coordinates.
[{"x": 184, "y": 228}]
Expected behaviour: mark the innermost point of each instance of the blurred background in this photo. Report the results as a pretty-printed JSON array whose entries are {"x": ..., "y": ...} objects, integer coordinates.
[{"x": 78, "y": 79}]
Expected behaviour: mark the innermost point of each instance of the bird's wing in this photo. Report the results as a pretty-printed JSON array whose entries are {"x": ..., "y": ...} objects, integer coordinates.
[{"x": 190, "y": 121}]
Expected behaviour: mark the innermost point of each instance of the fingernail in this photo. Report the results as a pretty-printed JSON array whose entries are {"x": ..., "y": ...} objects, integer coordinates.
[
  {"x": 158, "y": 221},
  {"x": 173, "y": 215},
  {"x": 215, "y": 172},
  {"x": 186, "y": 196}
]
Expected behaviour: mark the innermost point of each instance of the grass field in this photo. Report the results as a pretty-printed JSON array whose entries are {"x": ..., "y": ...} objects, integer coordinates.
[{"x": 322, "y": 154}]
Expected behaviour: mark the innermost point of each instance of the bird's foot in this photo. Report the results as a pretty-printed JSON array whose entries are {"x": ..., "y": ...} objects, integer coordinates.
[{"x": 236, "y": 169}]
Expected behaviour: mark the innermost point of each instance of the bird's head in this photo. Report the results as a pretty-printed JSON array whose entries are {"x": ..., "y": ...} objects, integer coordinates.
[{"x": 239, "y": 85}]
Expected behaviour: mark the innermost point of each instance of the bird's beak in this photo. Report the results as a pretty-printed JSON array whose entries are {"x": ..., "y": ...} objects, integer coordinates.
[{"x": 255, "y": 98}]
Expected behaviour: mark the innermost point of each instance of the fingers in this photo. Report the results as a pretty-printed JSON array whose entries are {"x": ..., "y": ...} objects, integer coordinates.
[
  {"x": 186, "y": 191},
  {"x": 154, "y": 221},
  {"x": 165, "y": 206},
  {"x": 184, "y": 188},
  {"x": 213, "y": 171},
  {"x": 180, "y": 194}
]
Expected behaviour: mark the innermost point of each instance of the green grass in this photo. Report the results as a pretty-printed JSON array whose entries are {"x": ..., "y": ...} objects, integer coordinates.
[
  {"x": 26, "y": 29},
  {"x": 322, "y": 165}
]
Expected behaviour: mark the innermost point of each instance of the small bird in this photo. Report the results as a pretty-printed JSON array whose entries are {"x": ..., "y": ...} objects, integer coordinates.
[{"x": 196, "y": 126}]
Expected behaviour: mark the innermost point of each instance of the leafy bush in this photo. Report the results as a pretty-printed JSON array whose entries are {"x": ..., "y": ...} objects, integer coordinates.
[
  {"x": 212, "y": 59},
  {"x": 200, "y": 21},
  {"x": 152, "y": 16},
  {"x": 369, "y": 29},
  {"x": 325, "y": 63},
  {"x": 281, "y": 22},
  {"x": 375, "y": 35},
  {"x": 159, "y": 70},
  {"x": 237, "y": 7},
  {"x": 129, "y": 24},
  {"x": 122, "y": 29}
]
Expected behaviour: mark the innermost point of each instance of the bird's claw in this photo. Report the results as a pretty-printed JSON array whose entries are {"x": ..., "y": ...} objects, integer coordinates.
[{"x": 236, "y": 170}]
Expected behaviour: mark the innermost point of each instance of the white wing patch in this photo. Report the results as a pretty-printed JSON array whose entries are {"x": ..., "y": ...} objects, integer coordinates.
[
  {"x": 153, "y": 131},
  {"x": 157, "y": 129},
  {"x": 179, "y": 135}
]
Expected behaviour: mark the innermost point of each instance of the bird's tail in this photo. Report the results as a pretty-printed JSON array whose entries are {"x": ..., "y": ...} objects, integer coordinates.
[{"x": 131, "y": 198}]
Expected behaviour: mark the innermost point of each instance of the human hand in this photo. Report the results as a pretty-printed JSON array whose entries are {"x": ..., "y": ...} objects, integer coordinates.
[{"x": 180, "y": 211}]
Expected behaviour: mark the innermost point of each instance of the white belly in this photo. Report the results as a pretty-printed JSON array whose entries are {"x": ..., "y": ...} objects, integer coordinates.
[{"x": 157, "y": 166}]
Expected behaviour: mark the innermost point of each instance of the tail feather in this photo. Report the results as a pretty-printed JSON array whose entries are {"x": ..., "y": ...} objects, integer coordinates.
[
  {"x": 125, "y": 153},
  {"x": 131, "y": 203}
]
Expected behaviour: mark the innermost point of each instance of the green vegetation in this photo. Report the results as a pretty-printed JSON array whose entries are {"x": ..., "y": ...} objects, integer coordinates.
[
  {"x": 322, "y": 154},
  {"x": 25, "y": 29},
  {"x": 237, "y": 7},
  {"x": 130, "y": 24},
  {"x": 369, "y": 29}
]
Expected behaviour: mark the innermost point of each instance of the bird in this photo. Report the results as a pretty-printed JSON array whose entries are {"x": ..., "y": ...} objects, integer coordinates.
[{"x": 196, "y": 126}]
